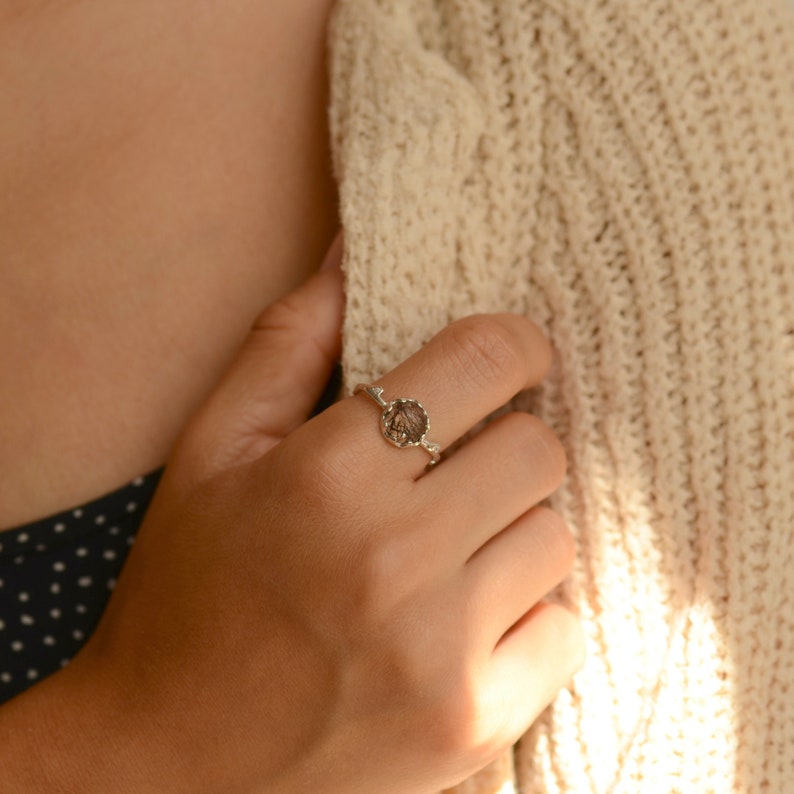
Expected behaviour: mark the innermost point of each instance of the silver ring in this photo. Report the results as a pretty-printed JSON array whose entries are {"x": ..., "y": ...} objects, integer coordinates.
[{"x": 404, "y": 423}]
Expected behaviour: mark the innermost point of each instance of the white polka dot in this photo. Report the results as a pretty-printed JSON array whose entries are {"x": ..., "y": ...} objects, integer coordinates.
[
  {"x": 64, "y": 662},
  {"x": 77, "y": 634},
  {"x": 132, "y": 507},
  {"x": 85, "y": 581},
  {"x": 23, "y": 537},
  {"x": 41, "y": 547},
  {"x": 81, "y": 609},
  {"x": 55, "y": 613},
  {"x": 99, "y": 520},
  {"x": 55, "y": 588},
  {"x": 2, "y": 583},
  {"x": 5, "y": 678},
  {"x": 49, "y": 640},
  {"x": 1, "y": 546},
  {"x": 24, "y": 597},
  {"x": 138, "y": 481},
  {"x": 17, "y": 646},
  {"x": 77, "y": 513},
  {"x": 111, "y": 584},
  {"x": 2, "y": 625},
  {"x": 130, "y": 540},
  {"x": 58, "y": 566},
  {"x": 114, "y": 530},
  {"x": 33, "y": 674},
  {"x": 26, "y": 620},
  {"x": 81, "y": 552},
  {"x": 19, "y": 560},
  {"x": 109, "y": 554},
  {"x": 59, "y": 527}
]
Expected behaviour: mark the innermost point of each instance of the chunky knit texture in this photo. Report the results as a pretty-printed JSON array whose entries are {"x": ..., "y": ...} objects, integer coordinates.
[{"x": 622, "y": 172}]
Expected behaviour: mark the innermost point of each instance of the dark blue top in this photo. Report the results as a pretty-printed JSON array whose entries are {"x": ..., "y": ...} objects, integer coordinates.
[{"x": 56, "y": 575}]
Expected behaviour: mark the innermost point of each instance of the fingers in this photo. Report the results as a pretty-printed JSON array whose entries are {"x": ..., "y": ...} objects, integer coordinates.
[
  {"x": 279, "y": 373},
  {"x": 506, "y": 577},
  {"x": 465, "y": 372},
  {"x": 534, "y": 660},
  {"x": 511, "y": 465}
]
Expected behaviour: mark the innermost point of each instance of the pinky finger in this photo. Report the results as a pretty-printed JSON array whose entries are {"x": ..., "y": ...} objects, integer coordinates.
[{"x": 530, "y": 664}]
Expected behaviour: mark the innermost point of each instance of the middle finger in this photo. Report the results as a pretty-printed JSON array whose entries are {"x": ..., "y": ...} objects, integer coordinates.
[{"x": 507, "y": 468}]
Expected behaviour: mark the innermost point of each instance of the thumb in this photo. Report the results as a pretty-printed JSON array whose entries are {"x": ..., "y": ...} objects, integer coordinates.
[{"x": 279, "y": 374}]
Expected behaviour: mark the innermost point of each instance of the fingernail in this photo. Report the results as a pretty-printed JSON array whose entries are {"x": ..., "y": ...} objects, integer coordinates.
[{"x": 333, "y": 257}]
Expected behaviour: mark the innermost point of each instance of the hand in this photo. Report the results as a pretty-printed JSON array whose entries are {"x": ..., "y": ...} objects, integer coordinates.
[{"x": 306, "y": 610}]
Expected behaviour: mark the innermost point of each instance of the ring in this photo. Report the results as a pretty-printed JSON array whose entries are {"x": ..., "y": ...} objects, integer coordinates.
[{"x": 404, "y": 423}]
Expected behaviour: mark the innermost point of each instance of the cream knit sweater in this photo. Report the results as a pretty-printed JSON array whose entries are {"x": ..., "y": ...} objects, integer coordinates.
[{"x": 622, "y": 172}]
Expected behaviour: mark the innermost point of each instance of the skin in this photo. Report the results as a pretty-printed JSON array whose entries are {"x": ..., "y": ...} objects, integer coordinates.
[
  {"x": 165, "y": 174},
  {"x": 280, "y": 625}
]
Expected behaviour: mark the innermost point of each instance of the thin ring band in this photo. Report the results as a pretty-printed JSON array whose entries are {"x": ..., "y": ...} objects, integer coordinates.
[{"x": 403, "y": 422}]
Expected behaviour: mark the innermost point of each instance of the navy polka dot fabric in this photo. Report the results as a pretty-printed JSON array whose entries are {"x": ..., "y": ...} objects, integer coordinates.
[{"x": 56, "y": 576}]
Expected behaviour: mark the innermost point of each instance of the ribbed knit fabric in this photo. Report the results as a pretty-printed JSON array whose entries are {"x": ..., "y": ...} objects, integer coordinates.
[{"x": 622, "y": 172}]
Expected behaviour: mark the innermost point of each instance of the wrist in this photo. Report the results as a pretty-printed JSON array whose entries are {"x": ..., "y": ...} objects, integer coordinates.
[{"x": 71, "y": 733}]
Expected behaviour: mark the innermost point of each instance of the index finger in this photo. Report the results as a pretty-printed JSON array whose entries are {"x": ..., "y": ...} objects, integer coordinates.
[{"x": 467, "y": 370}]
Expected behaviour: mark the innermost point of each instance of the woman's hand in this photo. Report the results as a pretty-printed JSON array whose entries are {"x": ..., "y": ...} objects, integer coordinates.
[{"x": 303, "y": 610}]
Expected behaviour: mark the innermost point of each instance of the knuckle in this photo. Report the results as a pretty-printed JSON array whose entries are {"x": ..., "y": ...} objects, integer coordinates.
[
  {"x": 385, "y": 585},
  {"x": 550, "y": 448},
  {"x": 281, "y": 315},
  {"x": 323, "y": 479},
  {"x": 484, "y": 349},
  {"x": 452, "y": 734},
  {"x": 557, "y": 537},
  {"x": 378, "y": 568},
  {"x": 462, "y": 724},
  {"x": 570, "y": 637},
  {"x": 532, "y": 441}
]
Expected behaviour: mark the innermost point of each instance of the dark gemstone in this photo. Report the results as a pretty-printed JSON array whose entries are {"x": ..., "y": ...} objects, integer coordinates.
[{"x": 404, "y": 422}]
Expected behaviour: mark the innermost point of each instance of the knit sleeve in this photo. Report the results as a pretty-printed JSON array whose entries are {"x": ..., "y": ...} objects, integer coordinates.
[{"x": 622, "y": 172}]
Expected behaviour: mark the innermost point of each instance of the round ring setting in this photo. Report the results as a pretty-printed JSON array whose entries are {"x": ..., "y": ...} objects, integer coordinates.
[{"x": 403, "y": 422}]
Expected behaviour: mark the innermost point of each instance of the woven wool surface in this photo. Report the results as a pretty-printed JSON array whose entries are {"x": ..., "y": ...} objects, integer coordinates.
[{"x": 622, "y": 172}]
